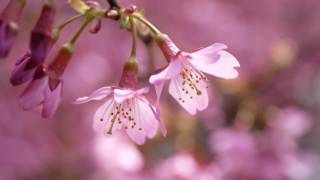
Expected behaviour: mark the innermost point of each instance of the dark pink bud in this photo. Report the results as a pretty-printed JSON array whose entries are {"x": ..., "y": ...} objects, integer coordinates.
[
  {"x": 129, "y": 78},
  {"x": 131, "y": 9},
  {"x": 19, "y": 74},
  {"x": 40, "y": 44},
  {"x": 96, "y": 26},
  {"x": 9, "y": 25},
  {"x": 41, "y": 37},
  {"x": 60, "y": 62},
  {"x": 42, "y": 92}
]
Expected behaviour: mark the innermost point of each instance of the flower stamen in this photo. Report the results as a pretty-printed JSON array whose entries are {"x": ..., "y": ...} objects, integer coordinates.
[{"x": 192, "y": 77}]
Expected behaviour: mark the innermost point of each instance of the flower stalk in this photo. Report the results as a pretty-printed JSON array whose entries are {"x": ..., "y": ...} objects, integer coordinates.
[
  {"x": 82, "y": 28},
  {"x": 134, "y": 40},
  {"x": 113, "y": 4},
  {"x": 56, "y": 32},
  {"x": 155, "y": 30}
]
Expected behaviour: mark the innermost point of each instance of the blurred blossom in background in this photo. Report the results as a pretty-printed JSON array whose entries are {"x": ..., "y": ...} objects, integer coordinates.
[{"x": 264, "y": 125}]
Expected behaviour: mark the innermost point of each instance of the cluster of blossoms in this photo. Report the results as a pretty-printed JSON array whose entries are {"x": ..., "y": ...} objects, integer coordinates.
[{"x": 126, "y": 105}]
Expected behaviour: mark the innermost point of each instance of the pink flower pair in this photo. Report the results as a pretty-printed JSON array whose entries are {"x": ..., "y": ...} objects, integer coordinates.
[{"x": 127, "y": 108}]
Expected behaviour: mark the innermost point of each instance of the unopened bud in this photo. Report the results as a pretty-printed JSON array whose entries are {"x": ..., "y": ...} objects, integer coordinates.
[
  {"x": 9, "y": 25},
  {"x": 41, "y": 36},
  {"x": 96, "y": 26},
  {"x": 60, "y": 62},
  {"x": 131, "y": 9}
]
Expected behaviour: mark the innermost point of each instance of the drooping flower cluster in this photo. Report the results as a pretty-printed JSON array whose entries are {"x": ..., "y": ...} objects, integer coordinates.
[{"x": 126, "y": 106}]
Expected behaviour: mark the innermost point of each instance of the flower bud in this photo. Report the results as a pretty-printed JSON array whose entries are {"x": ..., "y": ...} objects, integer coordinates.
[
  {"x": 9, "y": 19},
  {"x": 40, "y": 43},
  {"x": 60, "y": 62},
  {"x": 41, "y": 36},
  {"x": 131, "y": 9},
  {"x": 19, "y": 75},
  {"x": 96, "y": 26}
]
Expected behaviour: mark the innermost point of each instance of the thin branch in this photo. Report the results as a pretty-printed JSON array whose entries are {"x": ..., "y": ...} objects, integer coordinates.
[{"x": 113, "y": 4}]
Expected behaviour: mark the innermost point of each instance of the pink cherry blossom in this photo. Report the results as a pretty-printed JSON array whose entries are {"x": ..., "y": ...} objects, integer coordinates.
[
  {"x": 124, "y": 109},
  {"x": 188, "y": 84}
]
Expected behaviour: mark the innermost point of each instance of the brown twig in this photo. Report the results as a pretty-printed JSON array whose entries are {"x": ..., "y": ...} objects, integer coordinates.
[{"x": 113, "y": 4}]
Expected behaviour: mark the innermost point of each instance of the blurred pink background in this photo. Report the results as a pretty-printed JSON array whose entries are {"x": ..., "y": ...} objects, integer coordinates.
[{"x": 261, "y": 126}]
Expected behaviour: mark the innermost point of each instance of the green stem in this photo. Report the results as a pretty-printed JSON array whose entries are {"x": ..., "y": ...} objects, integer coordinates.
[
  {"x": 84, "y": 25},
  {"x": 60, "y": 27},
  {"x": 134, "y": 39},
  {"x": 147, "y": 23},
  {"x": 57, "y": 30}
]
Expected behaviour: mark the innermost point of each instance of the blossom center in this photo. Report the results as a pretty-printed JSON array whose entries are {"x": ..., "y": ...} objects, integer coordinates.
[
  {"x": 192, "y": 79},
  {"x": 121, "y": 115}
]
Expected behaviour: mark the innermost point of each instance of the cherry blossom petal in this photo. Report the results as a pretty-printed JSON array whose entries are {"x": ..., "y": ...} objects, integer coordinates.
[
  {"x": 96, "y": 95},
  {"x": 172, "y": 70},
  {"x": 142, "y": 91},
  {"x": 137, "y": 137},
  {"x": 51, "y": 101},
  {"x": 202, "y": 100},
  {"x": 158, "y": 88},
  {"x": 33, "y": 95},
  {"x": 122, "y": 94},
  {"x": 19, "y": 74},
  {"x": 101, "y": 120},
  {"x": 190, "y": 99},
  {"x": 229, "y": 58},
  {"x": 221, "y": 64},
  {"x": 136, "y": 131},
  {"x": 210, "y": 50},
  {"x": 149, "y": 122},
  {"x": 175, "y": 90}
]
